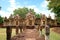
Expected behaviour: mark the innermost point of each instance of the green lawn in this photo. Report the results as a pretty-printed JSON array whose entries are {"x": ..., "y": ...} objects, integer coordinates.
[
  {"x": 3, "y": 33},
  {"x": 53, "y": 35}
]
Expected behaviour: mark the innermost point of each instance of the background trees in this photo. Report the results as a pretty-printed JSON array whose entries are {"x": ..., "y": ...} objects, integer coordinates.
[
  {"x": 54, "y": 6},
  {"x": 38, "y": 15},
  {"x": 0, "y": 7},
  {"x": 1, "y": 19},
  {"x": 23, "y": 11}
]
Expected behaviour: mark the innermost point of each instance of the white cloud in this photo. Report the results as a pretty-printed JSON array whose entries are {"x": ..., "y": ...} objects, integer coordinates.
[
  {"x": 35, "y": 8},
  {"x": 44, "y": 4},
  {"x": 3, "y": 14},
  {"x": 12, "y": 2},
  {"x": 13, "y": 6},
  {"x": 9, "y": 9},
  {"x": 46, "y": 12},
  {"x": 45, "y": 9}
]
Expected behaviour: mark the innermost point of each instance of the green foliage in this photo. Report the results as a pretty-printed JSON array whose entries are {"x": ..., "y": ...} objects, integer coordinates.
[
  {"x": 37, "y": 15},
  {"x": 54, "y": 6},
  {"x": 23, "y": 11},
  {"x": 0, "y": 7},
  {"x": 54, "y": 36},
  {"x": 1, "y": 19}
]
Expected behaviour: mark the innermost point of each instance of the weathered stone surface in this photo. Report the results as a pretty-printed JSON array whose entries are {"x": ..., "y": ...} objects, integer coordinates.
[{"x": 28, "y": 34}]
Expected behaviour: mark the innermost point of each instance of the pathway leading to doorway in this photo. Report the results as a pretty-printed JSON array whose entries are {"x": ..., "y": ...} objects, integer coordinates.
[{"x": 28, "y": 34}]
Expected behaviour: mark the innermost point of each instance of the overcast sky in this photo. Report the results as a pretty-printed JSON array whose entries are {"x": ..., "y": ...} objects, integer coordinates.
[{"x": 39, "y": 6}]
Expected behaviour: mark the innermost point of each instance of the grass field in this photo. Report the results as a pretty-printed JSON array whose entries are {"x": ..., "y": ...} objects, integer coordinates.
[
  {"x": 3, "y": 33},
  {"x": 53, "y": 35}
]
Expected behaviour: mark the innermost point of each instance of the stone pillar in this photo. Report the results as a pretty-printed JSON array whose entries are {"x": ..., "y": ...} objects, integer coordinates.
[
  {"x": 5, "y": 22},
  {"x": 55, "y": 20},
  {"x": 17, "y": 26},
  {"x": 27, "y": 22},
  {"x": 20, "y": 27},
  {"x": 33, "y": 21},
  {"x": 37, "y": 27},
  {"x": 41, "y": 30},
  {"x": 43, "y": 22},
  {"x": 8, "y": 32},
  {"x": 17, "y": 30},
  {"x": 47, "y": 32},
  {"x": 55, "y": 23}
]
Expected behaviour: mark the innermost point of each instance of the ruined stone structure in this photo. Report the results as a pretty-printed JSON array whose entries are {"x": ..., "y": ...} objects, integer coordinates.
[
  {"x": 30, "y": 21},
  {"x": 43, "y": 20}
]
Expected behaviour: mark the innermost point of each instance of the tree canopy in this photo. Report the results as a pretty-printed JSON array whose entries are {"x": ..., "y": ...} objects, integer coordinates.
[
  {"x": 1, "y": 19},
  {"x": 0, "y": 7},
  {"x": 54, "y": 6},
  {"x": 37, "y": 15},
  {"x": 23, "y": 11}
]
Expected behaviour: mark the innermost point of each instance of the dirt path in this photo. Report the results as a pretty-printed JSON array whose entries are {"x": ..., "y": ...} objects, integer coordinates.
[{"x": 28, "y": 34}]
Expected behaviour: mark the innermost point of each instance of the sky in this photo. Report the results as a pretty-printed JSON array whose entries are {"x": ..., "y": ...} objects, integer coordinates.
[{"x": 39, "y": 6}]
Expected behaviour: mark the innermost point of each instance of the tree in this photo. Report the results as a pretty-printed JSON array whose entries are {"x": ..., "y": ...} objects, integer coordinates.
[
  {"x": 23, "y": 11},
  {"x": 54, "y": 6},
  {"x": 0, "y": 7},
  {"x": 37, "y": 15},
  {"x": 1, "y": 20}
]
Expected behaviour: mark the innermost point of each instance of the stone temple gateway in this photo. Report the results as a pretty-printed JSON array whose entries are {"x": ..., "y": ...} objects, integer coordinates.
[
  {"x": 30, "y": 19},
  {"x": 29, "y": 26}
]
